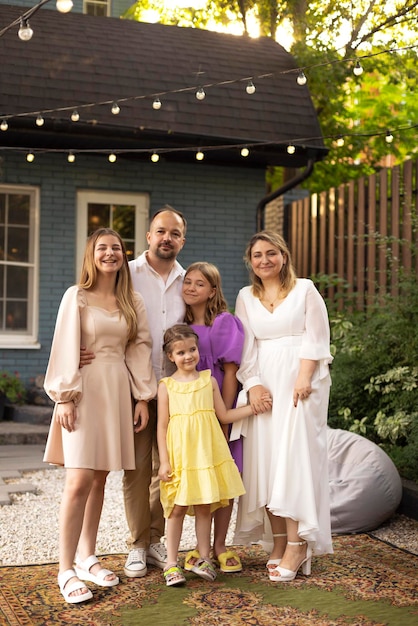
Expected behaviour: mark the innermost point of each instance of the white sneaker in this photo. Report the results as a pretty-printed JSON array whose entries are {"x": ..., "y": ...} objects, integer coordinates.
[
  {"x": 136, "y": 563},
  {"x": 157, "y": 555}
]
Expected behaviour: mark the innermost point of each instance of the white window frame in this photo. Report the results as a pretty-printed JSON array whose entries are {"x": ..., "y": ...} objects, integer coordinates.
[
  {"x": 28, "y": 339},
  {"x": 87, "y": 196},
  {"x": 106, "y": 2}
]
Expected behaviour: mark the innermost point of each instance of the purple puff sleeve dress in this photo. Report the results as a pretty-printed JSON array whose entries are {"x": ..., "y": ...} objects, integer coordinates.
[{"x": 218, "y": 344}]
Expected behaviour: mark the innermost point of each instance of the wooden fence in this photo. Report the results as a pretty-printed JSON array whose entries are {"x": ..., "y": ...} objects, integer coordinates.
[{"x": 362, "y": 232}]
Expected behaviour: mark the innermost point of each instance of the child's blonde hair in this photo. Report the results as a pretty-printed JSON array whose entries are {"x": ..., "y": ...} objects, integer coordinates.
[
  {"x": 215, "y": 305},
  {"x": 178, "y": 332}
]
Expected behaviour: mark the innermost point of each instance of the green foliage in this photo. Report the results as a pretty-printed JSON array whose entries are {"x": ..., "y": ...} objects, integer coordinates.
[
  {"x": 375, "y": 377},
  {"x": 12, "y": 387}
]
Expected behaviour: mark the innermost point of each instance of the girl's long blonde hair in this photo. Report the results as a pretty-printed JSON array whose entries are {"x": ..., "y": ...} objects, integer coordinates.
[
  {"x": 215, "y": 305},
  {"x": 124, "y": 292},
  {"x": 287, "y": 275}
]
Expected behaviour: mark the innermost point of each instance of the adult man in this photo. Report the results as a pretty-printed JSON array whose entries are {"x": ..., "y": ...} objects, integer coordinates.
[{"x": 158, "y": 277}]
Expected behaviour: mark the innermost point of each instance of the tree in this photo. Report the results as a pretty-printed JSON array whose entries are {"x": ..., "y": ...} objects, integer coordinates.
[{"x": 328, "y": 37}]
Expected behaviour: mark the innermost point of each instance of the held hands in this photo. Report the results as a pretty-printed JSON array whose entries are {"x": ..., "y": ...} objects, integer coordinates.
[
  {"x": 260, "y": 399},
  {"x": 66, "y": 415},
  {"x": 141, "y": 416},
  {"x": 165, "y": 473}
]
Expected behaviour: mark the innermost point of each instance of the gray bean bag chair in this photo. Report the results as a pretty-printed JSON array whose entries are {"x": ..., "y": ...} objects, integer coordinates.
[{"x": 365, "y": 487}]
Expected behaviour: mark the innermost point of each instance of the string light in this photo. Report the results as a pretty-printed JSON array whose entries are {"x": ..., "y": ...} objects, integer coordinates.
[
  {"x": 250, "y": 88},
  {"x": 112, "y": 157},
  {"x": 115, "y": 108},
  {"x": 199, "y": 155},
  {"x": 156, "y": 104},
  {"x": 40, "y": 120},
  {"x": 4, "y": 125},
  {"x": 200, "y": 94},
  {"x": 25, "y": 32},
  {"x": 30, "y": 157},
  {"x": 64, "y": 6},
  {"x": 301, "y": 79},
  {"x": 389, "y": 137},
  {"x": 155, "y": 157},
  {"x": 75, "y": 116},
  {"x": 71, "y": 157},
  {"x": 358, "y": 70},
  {"x": 245, "y": 152},
  {"x": 291, "y": 149}
]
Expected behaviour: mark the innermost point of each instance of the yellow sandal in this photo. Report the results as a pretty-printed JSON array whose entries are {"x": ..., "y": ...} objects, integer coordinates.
[
  {"x": 191, "y": 559},
  {"x": 223, "y": 558}
]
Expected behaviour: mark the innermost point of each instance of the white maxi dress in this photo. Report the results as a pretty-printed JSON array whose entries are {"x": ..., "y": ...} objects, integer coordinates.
[{"x": 285, "y": 450}]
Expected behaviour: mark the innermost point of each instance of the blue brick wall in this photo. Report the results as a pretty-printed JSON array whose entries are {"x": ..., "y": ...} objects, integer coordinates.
[{"x": 218, "y": 202}]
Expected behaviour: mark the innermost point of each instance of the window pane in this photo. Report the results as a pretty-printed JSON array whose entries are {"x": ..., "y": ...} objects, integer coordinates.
[
  {"x": 19, "y": 209},
  {"x": 18, "y": 244},
  {"x": 2, "y": 208},
  {"x": 2, "y": 242},
  {"x": 98, "y": 216},
  {"x": 16, "y": 315},
  {"x": 124, "y": 221},
  {"x": 17, "y": 283}
]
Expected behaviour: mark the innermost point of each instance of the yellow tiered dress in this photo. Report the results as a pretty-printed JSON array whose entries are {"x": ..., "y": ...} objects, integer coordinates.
[{"x": 204, "y": 471}]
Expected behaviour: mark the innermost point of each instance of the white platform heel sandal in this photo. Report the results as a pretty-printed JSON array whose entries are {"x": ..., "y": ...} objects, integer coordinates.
[
  {"x": 287, "y": 575},
  {"x": 273, "y": 563}
]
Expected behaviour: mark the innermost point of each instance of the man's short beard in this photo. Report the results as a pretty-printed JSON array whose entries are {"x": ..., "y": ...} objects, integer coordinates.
[{"x": 170, "y": 254}]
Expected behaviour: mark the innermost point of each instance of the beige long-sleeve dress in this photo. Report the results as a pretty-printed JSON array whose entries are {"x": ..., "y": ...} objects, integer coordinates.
[{"x": 103, "y": 438}]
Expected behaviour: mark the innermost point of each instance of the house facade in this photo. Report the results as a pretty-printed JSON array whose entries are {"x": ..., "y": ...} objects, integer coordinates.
[{"x": 58, "y": 181}]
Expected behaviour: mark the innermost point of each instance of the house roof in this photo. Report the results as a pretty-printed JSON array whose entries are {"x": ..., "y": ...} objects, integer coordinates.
[{"x": 74, "y": 61}]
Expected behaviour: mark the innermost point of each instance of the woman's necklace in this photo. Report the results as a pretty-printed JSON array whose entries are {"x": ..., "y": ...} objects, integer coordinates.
[{"x": 271, "y": 302}]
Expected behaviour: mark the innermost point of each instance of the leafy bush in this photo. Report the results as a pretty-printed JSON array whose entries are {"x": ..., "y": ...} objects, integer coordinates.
[{"x": 375, "y": 375}]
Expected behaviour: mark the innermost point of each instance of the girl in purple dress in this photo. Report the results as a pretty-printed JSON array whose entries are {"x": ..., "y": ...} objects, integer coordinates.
[{"x": 221, "y": 339}]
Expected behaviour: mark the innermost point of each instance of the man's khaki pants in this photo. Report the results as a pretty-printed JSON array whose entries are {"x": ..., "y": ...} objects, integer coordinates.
[{"x": 141, "y": 488}]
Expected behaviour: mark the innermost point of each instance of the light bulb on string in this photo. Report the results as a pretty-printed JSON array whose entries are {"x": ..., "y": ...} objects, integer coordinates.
[
  {"x": 245, "y": 152},
  {"x": 389, "y": 137},
  {"x": 340, "y": 141},
  {"x": 358, "y": 70},
  {"x": 115, "y": 108},
  {"x": 30, "y": 157},
  {"x": 112, "y": 157},
  {"x": 155, "y": 157},
  {"x": 64, "y": 6},
  {"x": 291, "y": 149},
  {"x": 200, "y": 94},
  {"x": 75, "y": 116},
  {"x": 25, "y": 32},
  {"x": 40, "y": 120},
  {"x": 156, "y": 105},
  {"x": 4, "y": 125},
  {"x": 199, "y": 155},
  {"x": 301, "y": 79},
  {"x": 250, "y": 88},
  {"x": 71, "y": 157}
]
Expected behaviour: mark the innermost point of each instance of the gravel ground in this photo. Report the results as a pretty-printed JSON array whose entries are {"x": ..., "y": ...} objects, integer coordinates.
[{"x": 29, "y": 527}]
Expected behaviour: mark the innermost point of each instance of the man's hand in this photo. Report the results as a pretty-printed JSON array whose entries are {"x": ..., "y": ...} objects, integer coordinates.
[{"x": 86, "y": 357}]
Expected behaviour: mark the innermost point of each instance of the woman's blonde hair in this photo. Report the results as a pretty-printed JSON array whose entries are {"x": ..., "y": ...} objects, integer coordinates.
[
  {"x": 287, "y": 275},
  {"x": 123, "y": 288},
  {"x": 178, "y": 332},
  {"x": 215, "y": 305}
]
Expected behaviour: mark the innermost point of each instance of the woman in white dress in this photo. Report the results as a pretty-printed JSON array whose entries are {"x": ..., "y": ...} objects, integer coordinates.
[
  {"x": 287, "y": 352},
  {"x": 92, "y": 428}
]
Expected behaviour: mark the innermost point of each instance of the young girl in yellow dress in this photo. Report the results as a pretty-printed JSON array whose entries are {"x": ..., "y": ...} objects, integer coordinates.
[{"x": 197, "y": 472}]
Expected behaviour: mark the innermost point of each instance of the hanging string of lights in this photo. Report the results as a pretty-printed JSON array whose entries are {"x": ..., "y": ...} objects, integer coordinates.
[
  {"x": 25, "y": 32},
  {"x": 292, "y": 146},
  {"x": 157, "y": 99}
]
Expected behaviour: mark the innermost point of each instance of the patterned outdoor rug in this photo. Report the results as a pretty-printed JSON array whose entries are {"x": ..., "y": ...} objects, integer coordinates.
[{"x": 365, "y": 582}]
